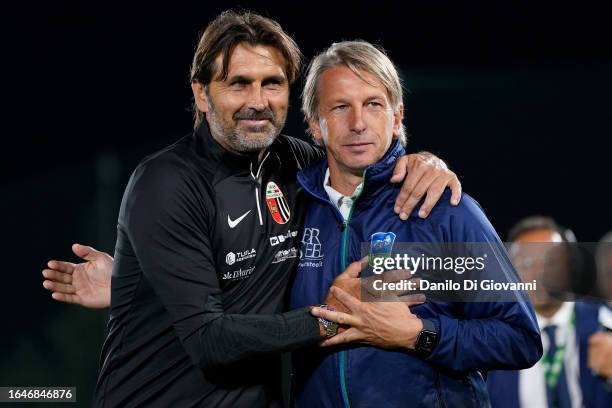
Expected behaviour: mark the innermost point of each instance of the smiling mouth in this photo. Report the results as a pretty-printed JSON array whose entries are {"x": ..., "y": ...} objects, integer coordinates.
[{"x": 255, "y": 122}]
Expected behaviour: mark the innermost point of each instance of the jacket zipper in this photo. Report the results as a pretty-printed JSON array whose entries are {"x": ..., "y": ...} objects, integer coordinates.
[
  {"x": 257, "y": 179},
  {"x": 343, "y": 354}
]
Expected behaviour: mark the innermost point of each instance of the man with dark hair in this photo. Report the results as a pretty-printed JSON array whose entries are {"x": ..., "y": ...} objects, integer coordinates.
[
  {"x": 541, "y": 249},
  {"x": 539, "y": 222},
  {"x": 207, "y": 236},
  {"x": 230, "y": 30}
]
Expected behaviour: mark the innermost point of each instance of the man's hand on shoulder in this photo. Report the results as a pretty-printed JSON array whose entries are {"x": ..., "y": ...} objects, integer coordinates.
[{"x": 424, "y": 175}]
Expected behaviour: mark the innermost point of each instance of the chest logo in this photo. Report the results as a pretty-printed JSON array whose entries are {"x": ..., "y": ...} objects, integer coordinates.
[
  {"x": 233, "y": 223},
  {"x": 277, "y": 204},
  {"x": 381, "y": 245},
  {"x": 231, "y": 257},
  {"x": 311, "y": 245}
]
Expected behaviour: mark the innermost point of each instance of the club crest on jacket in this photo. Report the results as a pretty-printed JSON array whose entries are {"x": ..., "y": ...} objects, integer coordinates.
[{"x": 277, "y": 204}]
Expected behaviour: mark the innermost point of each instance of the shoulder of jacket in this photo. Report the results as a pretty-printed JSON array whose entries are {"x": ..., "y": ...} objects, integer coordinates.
[
  {"x": 295, "y": 145},
  {"x": 169, "y": 167},
  {"x": 291, "y": 141},
  {"x": 468, "y": 207}
]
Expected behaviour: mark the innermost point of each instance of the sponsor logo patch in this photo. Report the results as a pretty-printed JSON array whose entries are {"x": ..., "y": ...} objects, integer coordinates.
[
  {"x": 277, "y": 204},
  {"x": 231, "y": 257},
  {"x": 311, "y": 254},
  {"x": 279, "y": 239},
  {"x": 285, "y": 254},
  {"x": 239, "y": 274},
  {"x": 311, "y": 246}
]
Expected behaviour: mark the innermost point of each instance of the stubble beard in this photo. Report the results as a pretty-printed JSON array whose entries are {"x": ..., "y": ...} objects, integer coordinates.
[{"x": 239, "y": 141}]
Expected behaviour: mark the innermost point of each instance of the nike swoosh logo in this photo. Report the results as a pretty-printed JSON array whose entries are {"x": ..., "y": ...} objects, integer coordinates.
[{"x": 235, "y": 222}]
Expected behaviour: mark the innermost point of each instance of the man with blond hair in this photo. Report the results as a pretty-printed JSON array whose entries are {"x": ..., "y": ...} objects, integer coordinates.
[{"x": 429, "y": 354}]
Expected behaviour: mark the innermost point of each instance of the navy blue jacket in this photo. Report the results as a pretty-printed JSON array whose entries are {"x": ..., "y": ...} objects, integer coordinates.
[
  {"x": 473, "y": 337},
  {"x": 504, "y": 385}
]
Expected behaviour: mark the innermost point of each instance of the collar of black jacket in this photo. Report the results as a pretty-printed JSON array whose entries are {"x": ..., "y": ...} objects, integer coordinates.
[
  {"x": 209, "y": 149},
  {"x": 377, "y": 175}
]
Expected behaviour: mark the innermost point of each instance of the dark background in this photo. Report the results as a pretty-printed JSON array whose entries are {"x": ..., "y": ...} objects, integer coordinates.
[{"x": 515, "y": 96}]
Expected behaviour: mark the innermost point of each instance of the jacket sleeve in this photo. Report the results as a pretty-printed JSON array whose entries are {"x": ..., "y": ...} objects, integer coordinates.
[
  {"x": 164, "y": 216},
  {"x": 490, "y": 334}
]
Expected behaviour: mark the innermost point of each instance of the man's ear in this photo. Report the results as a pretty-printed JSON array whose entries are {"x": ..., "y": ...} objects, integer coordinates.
[
  {"x": 199, "y": 95},
  {"x": 398, "y": 115},
  {"x": 315, "y": 129}
]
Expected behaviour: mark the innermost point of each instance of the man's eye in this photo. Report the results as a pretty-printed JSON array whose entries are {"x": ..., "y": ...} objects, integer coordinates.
[
  {"x": 375, "y": 104},
  {"x": 238, "y": 84},
  {"x": 340, "y": 107}
]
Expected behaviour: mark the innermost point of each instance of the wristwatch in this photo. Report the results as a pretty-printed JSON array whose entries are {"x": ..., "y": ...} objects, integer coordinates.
[
  {"x": 330, "y": 328},
  {"x": 427, "y": 339}
]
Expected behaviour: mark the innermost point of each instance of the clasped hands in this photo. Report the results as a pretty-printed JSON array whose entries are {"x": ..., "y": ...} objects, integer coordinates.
[{"x": 388, "y": 324}]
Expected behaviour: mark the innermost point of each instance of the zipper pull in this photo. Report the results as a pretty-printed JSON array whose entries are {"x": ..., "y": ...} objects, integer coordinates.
[{"x": 343, "y": 225}]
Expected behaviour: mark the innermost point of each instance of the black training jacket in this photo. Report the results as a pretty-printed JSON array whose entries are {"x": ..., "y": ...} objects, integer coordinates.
[{"x": 207, "y": 242}]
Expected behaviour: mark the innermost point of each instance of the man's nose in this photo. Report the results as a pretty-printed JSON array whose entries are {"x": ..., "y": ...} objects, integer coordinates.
[
  {"x": 357, "y": 122},
  {"x": 257, "y": 99}
]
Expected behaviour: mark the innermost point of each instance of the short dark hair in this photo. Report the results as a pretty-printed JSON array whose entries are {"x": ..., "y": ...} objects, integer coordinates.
[
  {"x": 539, "y": 222},
  {"x": 228, "y": 30},
  {"x": 582, "y": 270}
]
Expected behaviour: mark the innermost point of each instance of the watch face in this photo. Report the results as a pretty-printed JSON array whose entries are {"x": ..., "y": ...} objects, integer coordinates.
[{"x": 427, "y": 341}]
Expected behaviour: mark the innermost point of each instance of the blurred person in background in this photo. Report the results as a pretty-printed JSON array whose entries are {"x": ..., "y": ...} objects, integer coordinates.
[
  {"x": 604, "y": 266},
  {"x": 572, "y": 372},
  {"x": 600, "y": 350}
]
